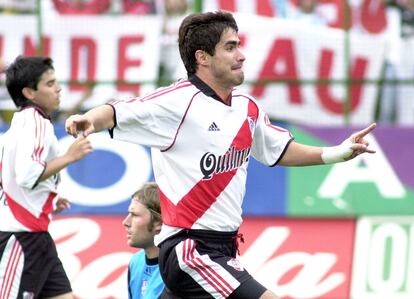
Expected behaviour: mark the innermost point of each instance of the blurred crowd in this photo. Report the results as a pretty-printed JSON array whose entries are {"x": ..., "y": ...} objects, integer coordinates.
[{"x": 364, "y": 16}]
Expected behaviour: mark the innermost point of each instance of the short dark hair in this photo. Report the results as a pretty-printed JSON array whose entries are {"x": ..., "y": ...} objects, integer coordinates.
[
  {"x": 25, "y": 72},
  {"x": 202, "y": 32}
]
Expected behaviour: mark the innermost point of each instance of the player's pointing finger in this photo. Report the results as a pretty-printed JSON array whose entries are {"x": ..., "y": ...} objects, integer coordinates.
[{"x": 365, "y": 131}]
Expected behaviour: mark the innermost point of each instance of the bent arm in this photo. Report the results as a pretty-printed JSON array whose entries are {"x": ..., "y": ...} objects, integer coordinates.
[
  {"x": 102, "y": 117},
  {"x": 298, "y": 154},
  {"x": 55, "y": 165},
  {"x": 95, "y": 120},
  {"x": 77, "y": 150}
]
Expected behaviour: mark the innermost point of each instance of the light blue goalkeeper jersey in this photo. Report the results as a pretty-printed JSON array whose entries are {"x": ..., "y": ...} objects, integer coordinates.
[{"x": 144, "y": 278}]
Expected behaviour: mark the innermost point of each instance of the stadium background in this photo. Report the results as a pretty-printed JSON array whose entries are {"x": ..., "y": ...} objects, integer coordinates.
[{"x": 338, "y": 231}]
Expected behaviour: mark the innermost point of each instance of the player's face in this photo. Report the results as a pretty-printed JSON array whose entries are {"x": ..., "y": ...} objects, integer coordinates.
[
  {"x": 140, "y": 231},
  {"x": 47, "y": 95},
  {"x": 227, "y": 62}
]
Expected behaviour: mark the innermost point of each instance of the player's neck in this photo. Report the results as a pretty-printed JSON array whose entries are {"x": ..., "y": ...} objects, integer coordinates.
[
  {"x": 152, "y": 252},
  {"x": 222, "y": 91}
]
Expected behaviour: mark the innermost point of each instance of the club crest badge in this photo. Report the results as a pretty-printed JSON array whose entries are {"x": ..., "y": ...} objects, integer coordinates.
[
  {"x": 251, "y": 124},
  {"x": 235, "y": 264}
]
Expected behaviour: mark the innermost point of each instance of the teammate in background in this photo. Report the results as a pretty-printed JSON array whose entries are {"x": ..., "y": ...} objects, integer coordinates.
[
  {"x": 30, "y": 165},
  {"x": 142, "y": 224},
  {"x": 202, "y": 132}
]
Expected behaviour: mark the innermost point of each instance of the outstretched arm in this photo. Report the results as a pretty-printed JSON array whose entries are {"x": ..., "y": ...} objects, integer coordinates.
[
  {"x": 303, "y": 155},
  {"x": 94, "y": 120}
]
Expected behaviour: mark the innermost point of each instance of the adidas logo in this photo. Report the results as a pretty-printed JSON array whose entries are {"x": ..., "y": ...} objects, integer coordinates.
[{"x": 213, "y": 127}]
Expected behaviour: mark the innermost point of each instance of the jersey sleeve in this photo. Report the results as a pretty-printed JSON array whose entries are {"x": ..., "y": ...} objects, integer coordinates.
[
  {"x": 31, "y": 151},
  {"x": 269, "y": 141},
  {"x": 151, "y": 121}
]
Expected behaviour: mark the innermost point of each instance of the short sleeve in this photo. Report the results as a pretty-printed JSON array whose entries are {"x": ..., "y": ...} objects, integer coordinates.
[
  {"x": 153, "y": 120},
  {"x": 269, "y": 141},
  {"x": 32, "y": 148}
]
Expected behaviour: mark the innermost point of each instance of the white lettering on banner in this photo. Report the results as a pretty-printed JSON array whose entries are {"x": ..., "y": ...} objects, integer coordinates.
[
  {"x": 388, "y": 276},
  {"x": 88, "y": 283},
  {"x": 271, "y": 238},
  {"x": 96, "y": 279},
  {"x": 78, "y": 235},
  {"x": 83, "y": 234},
  {"x": 376, "y": 170},
  {"x": 311, "y": 281},
  {"x": 138, "y": 171},
  {"x": 383, "y": 265}
]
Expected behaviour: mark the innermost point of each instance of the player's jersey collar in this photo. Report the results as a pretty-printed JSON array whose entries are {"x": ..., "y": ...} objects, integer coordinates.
[
  {"x": 151, "y": 262},
  {"x": 30, "y": 104},
  {"x": 203, "y": 87}
]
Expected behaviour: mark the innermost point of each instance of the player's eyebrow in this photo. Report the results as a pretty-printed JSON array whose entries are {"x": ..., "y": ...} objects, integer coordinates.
[{"x": 232, "y": 43}]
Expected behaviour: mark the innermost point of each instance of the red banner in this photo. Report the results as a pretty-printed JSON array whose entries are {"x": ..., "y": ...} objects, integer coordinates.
[
  {"x": 301, "y": 258},
  {"x": 293, "y": 258}
]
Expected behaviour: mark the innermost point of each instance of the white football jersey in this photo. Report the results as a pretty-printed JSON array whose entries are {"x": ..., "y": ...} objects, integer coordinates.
[
  {"x": 26, "y": 203},
  {"x": 200, "y": 151}
]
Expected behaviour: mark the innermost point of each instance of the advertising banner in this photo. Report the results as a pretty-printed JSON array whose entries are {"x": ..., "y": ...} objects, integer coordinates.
[
  {"x": 383, "y": 264},
  {"x": 95, "y": 254},
  {"x": 381, "y": 183},
  {"x": 291, "y": 51},
  {"x": 300, "y": 258},
  {"x": 365, "y": 15},
  {"x": 294, "y": 258},
  {"x": 122, "y": 53},
  {"x": 103, "y": 182}
]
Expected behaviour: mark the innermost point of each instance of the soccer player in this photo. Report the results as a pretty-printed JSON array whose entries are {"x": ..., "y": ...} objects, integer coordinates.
[
  {"x": 202, "y": 132},
  {"x": 30, "y": 165},
  {"x": 142, "y": 224}
]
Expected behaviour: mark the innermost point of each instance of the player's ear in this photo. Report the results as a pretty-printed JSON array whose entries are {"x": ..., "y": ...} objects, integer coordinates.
[
  {"x": 157, "y": 227},
  {"x": 29, "y": 93},
  {"x": 202, "y": 57}
]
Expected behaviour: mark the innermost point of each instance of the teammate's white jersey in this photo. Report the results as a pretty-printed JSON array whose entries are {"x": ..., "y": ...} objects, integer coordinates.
[
  {"x": 26, "y": 203},
  {"x": 200, "y": 151}
]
